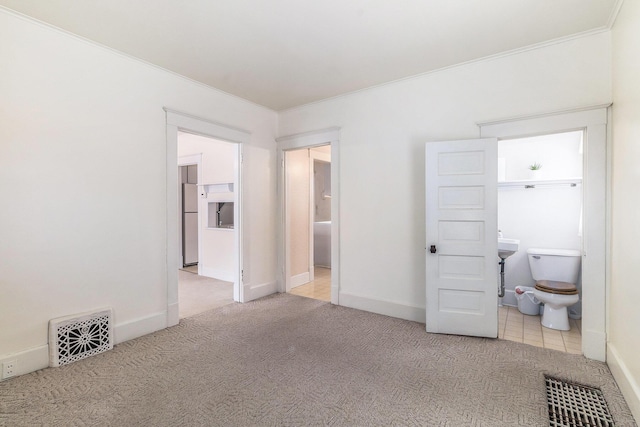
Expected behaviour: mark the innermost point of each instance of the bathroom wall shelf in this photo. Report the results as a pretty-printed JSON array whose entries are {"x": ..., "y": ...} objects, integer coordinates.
[{"x": 542, "y": 183}]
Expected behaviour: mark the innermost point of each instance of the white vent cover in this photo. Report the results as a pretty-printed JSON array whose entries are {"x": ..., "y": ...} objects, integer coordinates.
[{"x": 75, "y": 337}]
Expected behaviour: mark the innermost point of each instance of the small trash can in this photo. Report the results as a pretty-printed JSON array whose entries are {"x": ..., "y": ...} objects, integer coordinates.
[{"x": 527, "y": 303}]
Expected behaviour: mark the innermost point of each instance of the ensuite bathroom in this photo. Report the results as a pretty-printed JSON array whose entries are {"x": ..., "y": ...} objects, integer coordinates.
[{"x": 540, "y": 197}]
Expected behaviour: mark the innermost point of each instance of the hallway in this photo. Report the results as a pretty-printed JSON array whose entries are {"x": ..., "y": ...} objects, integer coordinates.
[{"x": 197, "y": 294}]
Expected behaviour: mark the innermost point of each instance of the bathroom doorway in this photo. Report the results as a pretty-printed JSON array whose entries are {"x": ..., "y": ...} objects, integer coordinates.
[
  {"x": 540, "y": 204},
  {"x": 462, "y": 182},
  {"x": 308, "y": 218},
  {"x": 592, "y": 123}
]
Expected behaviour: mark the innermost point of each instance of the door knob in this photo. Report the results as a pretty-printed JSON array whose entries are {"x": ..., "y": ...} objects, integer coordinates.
[{"x": 432, "y": 249}]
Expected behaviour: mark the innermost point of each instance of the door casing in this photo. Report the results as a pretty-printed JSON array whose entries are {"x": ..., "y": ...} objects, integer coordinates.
[{"x": 177, "y": 121}]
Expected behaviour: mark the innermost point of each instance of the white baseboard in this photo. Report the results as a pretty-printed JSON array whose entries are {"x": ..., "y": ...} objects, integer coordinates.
[
  {"x": 252, "y": 292},
  {"x": 510, "y": 298},
  {"x": 216, "y": 273},
  {"x": 594, "y": 345},
  {"x": 173, "y": 314},
  {"x": 300, "y": 279},
  {"x": 335, "y": 295},
  {"x": 38, "y": 358},
  {"x": 30, "y": 360},
  {"x": 401, "y": 311},
  {"x": 628, "y": 384},
  {"x": 139, "y": 327}
]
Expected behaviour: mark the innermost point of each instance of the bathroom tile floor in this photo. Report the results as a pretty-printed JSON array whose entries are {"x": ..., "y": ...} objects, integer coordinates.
[
  {"x": 319, "y": 288},
  {"x": 518, "y": 327}
]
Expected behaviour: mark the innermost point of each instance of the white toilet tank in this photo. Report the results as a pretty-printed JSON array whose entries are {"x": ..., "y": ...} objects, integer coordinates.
[{"x": 561, "y": 265}]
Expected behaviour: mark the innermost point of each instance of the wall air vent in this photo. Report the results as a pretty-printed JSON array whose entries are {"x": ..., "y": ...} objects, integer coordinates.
[{"x": 76, "y": 337}]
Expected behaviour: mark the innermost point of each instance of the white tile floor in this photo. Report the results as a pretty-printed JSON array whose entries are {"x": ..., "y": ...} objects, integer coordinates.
[{"x": 515, "y": 326}]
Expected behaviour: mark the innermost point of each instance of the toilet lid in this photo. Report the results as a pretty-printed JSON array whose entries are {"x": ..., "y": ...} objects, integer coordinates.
[{"x": 553, "y": 287}]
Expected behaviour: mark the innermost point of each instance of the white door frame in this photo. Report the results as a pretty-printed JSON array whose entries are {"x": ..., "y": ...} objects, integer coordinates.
[
  {"x": 596, "y": 187},
  {"x": 177, "y": 121},
  {"x": 331, "y": 137},
  {"x": 194, "y": 159}
]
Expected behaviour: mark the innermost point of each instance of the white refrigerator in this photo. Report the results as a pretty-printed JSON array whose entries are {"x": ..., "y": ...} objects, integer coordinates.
[{"x": 189, "y": 224}]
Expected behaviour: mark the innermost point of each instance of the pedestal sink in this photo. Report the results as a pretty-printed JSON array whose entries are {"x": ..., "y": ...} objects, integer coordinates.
[{"x": 507, "y": 247}]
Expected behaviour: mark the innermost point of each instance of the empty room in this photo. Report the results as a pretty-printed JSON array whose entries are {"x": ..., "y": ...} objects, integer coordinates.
[{"x": 418, "y": 213}]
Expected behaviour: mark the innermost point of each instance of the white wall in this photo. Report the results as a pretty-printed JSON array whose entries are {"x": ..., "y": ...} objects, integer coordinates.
[
  {"x": 624, "y": 321},
  {"x": 82, "y": 166},
  {"x": 542, "y": 217},
  {"x": 218, "y": 159},
  {"x": 383, "y": 132},
  {"x": 559, "y": 154}
]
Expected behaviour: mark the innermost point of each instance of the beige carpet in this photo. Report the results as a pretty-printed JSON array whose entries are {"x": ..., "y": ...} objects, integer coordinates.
[{"x": 291, "y": 361}]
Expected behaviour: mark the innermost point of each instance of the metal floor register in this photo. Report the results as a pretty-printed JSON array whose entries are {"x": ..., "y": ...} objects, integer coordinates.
[{"x": 575, "y": 405}]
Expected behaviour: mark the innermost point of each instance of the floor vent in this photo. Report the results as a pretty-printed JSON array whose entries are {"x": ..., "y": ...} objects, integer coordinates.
[
  {"x": 76, "y": 337},
  {"x": 576, "y": 405}
]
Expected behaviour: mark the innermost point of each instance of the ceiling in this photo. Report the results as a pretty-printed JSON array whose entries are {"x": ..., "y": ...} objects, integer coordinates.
[{"x": 285, "y": 53}]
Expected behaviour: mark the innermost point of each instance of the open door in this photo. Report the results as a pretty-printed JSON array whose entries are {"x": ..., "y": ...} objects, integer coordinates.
[{"x": 462, "y": 237}]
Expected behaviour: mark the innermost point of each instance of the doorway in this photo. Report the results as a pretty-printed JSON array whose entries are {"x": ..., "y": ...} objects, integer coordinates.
[
  {"x": 463, "y": 185},
  {"x": 210, "y": 189},
  {"x": 206, "y": 187},
  {"x": 539, "y": 204},
  {"x": 308, "y": 143},
  {"x": 308, "y": 221},
  {"x": 595, "y": 238}
]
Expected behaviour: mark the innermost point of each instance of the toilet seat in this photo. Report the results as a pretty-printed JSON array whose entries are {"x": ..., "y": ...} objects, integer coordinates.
[{"x": 553, "y": 287}]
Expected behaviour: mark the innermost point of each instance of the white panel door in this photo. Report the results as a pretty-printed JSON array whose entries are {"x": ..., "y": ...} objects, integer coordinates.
[{"x": 462, "y": 237}]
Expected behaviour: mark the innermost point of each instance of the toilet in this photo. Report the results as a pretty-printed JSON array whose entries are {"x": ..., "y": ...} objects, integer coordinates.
[{"x": 556, "y": 274}]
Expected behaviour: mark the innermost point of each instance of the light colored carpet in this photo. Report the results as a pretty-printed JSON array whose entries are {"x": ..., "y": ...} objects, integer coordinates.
[{"x": 291, "y": 361}]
